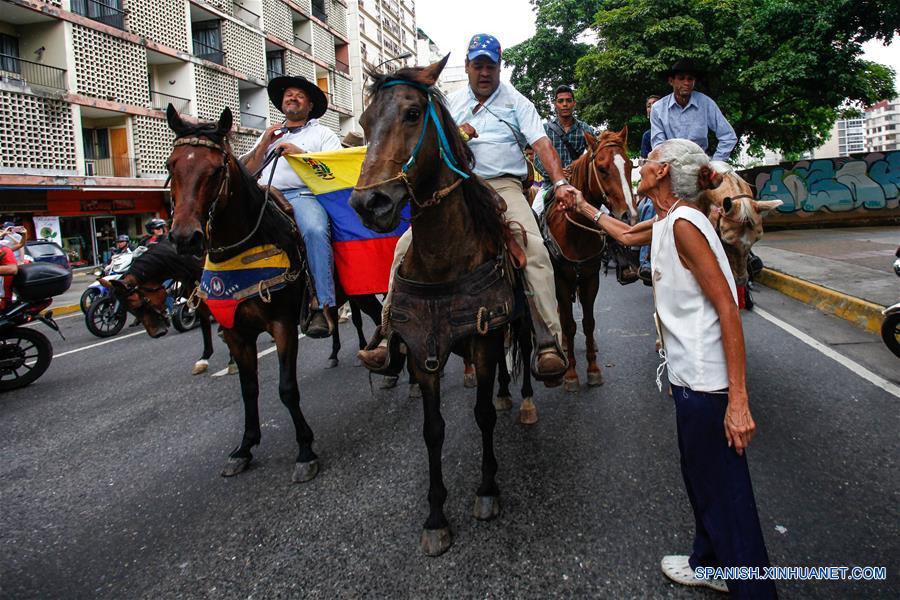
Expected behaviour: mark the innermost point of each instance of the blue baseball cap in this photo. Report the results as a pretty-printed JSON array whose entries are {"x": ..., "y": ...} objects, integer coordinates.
[{"x": 484, "y": 44}]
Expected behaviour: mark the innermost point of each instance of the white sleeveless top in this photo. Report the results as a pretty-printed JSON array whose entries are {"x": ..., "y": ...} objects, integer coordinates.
[{"x": 689, "y": 323}]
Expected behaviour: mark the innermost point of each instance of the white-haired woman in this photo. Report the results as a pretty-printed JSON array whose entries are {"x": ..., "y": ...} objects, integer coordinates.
[{"x": 700, "y": 327}]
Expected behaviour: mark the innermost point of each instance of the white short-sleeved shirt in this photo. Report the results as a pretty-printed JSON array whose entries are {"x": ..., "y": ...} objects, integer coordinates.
[
  {"x": 496, "y": 150},
  {"x": 311, "y": 137}
]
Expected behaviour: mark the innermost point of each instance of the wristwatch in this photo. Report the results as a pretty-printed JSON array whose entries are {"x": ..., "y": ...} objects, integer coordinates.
[
  {"x": 559, "y": 183},
  {"x": 600, "y": 212}
]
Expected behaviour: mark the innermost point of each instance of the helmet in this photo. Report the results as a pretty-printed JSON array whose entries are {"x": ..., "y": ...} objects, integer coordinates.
[
  {"x": 123, "y": 238},
  {"x": 154, "y": 224}
]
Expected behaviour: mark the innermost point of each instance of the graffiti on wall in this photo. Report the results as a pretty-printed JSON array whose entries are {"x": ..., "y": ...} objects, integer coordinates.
[{"x": 870, "y": 181}]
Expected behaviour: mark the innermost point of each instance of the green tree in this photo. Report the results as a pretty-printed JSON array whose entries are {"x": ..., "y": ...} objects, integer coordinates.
[{"x": 782, "y": 71}]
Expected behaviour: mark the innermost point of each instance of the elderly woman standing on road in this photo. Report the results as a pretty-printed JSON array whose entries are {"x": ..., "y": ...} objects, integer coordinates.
[{"x": 697, "y": 313}]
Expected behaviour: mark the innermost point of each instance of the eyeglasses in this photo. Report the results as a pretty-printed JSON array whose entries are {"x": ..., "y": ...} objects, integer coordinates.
[{"x": 644, "y": 161}]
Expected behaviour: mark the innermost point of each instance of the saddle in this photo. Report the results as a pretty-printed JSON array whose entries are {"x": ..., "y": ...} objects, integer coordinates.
[{"x": 429, "y": 318}]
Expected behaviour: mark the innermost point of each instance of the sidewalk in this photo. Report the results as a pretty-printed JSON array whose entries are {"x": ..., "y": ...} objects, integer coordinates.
[
  {"x": 846, "y": 272},
  {"x": 69, "y": 302}
]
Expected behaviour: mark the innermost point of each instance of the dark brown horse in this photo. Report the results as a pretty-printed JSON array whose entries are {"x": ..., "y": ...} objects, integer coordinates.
[
  {"x": 215, "y": 194},
  {"x": 441, "y": 294},
  {"x": 603, "y": 174}
]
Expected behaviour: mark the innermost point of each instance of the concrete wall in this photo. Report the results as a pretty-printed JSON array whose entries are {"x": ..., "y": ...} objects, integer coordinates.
[{"x": 855, "y": 189}]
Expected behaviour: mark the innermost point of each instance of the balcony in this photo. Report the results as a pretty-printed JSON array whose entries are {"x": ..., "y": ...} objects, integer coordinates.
[
  {"x": 252, "y": 121},
  {"x": 14, "y": 68},
  {"x": 270, "y": 74},
  {"x": 160, "y": 101},
  {"x": 246, "y": 15},
  {"x": 104, "y": 11},
  {"x": 210, "y": 53},
  {"x": 342, "y": 66},
  {"x": 299, "y": 42},
  {"x": 118, "y": 166}
]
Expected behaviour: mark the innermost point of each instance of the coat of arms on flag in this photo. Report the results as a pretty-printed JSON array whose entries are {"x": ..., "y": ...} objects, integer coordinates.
[{"x": 362, "y": 258}]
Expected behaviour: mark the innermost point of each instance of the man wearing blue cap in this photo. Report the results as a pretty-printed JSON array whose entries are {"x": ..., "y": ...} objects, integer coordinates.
[{"x": 498, "y": 122}]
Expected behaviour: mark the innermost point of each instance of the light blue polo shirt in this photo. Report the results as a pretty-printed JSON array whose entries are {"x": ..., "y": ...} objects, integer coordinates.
[
  {"x": 495, "y": 149},
  {"x": 669, "y": 120}
]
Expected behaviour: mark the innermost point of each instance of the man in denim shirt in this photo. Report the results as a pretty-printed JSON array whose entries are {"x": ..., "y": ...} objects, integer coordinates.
[{"x": 690, "y": 115}]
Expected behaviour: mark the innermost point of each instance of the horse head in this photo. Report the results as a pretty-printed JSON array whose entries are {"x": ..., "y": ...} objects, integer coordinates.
[
  {"x": 146, "y": 301},
  {"x": 199, "y": 167},
  {"x": 738, "y": 216},
  {"x": 403, "y": 157},
  {"x": 604, "y": 173}
]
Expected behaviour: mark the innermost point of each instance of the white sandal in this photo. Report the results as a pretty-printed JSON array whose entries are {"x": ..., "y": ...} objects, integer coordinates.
[{"x": 677, "y": 568}]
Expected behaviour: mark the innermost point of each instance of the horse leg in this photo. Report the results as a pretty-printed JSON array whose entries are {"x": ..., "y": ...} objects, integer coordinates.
[
  {"x": 286, "y": 343},
  {"x": 335, "y": 338},
  {"x": 487, "y": 354},
  {"x": 587, "y": 294},
  {"x": 243, "y": 351},
  {"x": 206, "y": 330},
  {"x": 356, "y": 319},
  {"x": 564, "y": 290},
  {"x": 469, "y": 379},
  {"x": 503, "y": 401},
  {"x": 528, "y": 410},
  {"x": 436, "y": 536},
  {"x": 415, "y": 390}
]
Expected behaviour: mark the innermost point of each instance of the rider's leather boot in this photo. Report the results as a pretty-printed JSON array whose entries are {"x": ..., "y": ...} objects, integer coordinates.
[
  {"x": 375, "y": 355},
  {"x": 319, "y": 326},
  {"x": 549, "y": 364}
]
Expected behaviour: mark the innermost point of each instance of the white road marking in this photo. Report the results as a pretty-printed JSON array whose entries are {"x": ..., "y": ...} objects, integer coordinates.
[
  {"x": 103, "y": 343},
  {"x": 854, "y": 366},
  {"x": 258, "y": 356}
]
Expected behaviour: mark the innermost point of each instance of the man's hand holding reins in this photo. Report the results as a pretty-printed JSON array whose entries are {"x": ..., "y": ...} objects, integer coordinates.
[
  {"x": 289, "y": 148},
  {"x": 467, "y": 130}
]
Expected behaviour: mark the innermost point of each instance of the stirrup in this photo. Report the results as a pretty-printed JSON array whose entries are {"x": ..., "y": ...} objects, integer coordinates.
[{"x": 393, "y": 365}]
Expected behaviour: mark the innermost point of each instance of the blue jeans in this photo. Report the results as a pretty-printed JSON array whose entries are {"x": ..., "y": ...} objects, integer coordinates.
[
  {"x": 645, "y": 213},
  {"x": 727, "y": 531},
  {"x": 316, "y": 231}
]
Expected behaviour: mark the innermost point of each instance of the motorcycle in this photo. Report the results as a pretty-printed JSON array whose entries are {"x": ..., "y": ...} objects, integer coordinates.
[
  {"x": 117, "y": 267},
  {"x": 25, "y": 353},
  {"x": 890, "y": 327}
]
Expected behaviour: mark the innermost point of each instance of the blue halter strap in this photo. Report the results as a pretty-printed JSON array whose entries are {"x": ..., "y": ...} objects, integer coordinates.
[{"x": 430, "y": 115}]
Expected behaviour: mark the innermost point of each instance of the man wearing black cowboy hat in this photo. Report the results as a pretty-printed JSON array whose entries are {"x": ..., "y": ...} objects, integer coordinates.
[
  {"x": 688, "y": 114},
  {"x": 302, "y": 103}
]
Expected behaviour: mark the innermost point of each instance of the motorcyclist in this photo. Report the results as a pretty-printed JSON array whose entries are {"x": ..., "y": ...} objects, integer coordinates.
[
  {"x": 156, "y": 229},
  {"x": 123, "y": 246}
]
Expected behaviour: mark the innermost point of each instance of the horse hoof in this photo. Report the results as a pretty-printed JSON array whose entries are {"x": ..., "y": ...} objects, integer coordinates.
[
  {"x": 200, "y": 367},
  {"x": 502, "y": 403},
  {"x": 436, "y": 541},
  {"x": 571, "y": 385},
  {"x": 232, "y": 369},
  {"x": 235, "y": 466},
  {"x": 486, "y": 508},
  {"x": 528, "y": 412},
  {"x": 332, "y": 363},
  {"x": 594, "y": 378},
  {"x": 415, "y": 391},
  {"x": 389, "y": 382},
  {"x": 304, "y": 471},
  {"x": 469, "y": 380}
]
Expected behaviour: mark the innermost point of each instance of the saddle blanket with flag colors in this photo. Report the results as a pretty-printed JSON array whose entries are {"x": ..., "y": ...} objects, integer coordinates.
[
  {"x": 362, "y": 258},
  {"x": 258, "y": 270}
]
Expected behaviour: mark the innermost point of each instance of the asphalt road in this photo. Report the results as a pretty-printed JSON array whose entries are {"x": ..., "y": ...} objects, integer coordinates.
[{"x": 110, "y": 483}]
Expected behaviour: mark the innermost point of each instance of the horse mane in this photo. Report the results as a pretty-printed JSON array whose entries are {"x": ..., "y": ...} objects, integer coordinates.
[
  {"x": 161, "y": 261},
  {"x": 479, "y": 197}
]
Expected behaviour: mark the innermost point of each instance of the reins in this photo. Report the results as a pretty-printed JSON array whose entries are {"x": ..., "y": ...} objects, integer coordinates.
[{"x": 444, "y": 148}]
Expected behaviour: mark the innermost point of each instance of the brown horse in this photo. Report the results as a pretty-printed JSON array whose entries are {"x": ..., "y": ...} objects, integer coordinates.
[
  {"x": 603, "y": 174},
  {"x": 441, "y": 294},
  {"x": 214, "y": 193}
]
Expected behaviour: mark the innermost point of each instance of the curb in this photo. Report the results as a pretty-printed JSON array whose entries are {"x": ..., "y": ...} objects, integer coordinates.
[
  {"x": 860, "y": 312},
  {"x": 64, "y": 310}
]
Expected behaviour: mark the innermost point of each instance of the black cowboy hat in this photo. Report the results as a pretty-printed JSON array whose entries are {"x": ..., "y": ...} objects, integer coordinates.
[
  {"x": 278, "y": 85},
  {"x": 683, "y": 65}
]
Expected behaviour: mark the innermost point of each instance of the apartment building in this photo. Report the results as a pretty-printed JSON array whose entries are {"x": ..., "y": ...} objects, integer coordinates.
[
  {"x": 84, "y": 85},
  {"x": 380, "y": 31},
  {"x": 882, "y": 121}
]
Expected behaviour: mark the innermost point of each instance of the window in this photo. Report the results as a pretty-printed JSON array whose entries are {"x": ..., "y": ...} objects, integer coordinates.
[
  {"x": 207, "y": 39},
  {"x": 9, "y": 52},
  {"x": 104, "y": 11},
  {"x": 275, "y": 63},
  {"x": 96, "y": 143}
]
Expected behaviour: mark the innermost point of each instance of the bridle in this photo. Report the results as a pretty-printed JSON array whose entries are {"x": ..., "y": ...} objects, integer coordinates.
[
  {"x": 145, "y": 304},
  {"x": 444, "y": 148}
]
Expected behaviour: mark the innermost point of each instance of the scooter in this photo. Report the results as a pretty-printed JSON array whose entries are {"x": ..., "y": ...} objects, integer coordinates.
[
  {"x": 890, "y": 327},
  {"x": 25, "y": 353},
  {"x": 117, "y": 267}
]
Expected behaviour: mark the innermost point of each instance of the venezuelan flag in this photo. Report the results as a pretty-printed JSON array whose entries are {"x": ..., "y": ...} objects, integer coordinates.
[{"x": 362, "y": 258}]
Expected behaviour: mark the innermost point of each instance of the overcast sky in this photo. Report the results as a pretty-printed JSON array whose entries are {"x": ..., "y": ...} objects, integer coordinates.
[{"x": 451, "y": 24}]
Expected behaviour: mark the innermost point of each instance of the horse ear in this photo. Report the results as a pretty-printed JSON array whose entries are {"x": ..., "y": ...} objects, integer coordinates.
[
  {"x": 623, "y": 133},
  {"x": 429, "y": 75},
  {"x": 225, "y": 120},
  {"x": 174, "y": 119},
  {"x": 764, "y": 206},
  {"x": 590, "y": 139}
]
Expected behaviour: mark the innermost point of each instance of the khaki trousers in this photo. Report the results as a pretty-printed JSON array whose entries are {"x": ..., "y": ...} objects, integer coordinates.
[{"x": 538, "y": 270}]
